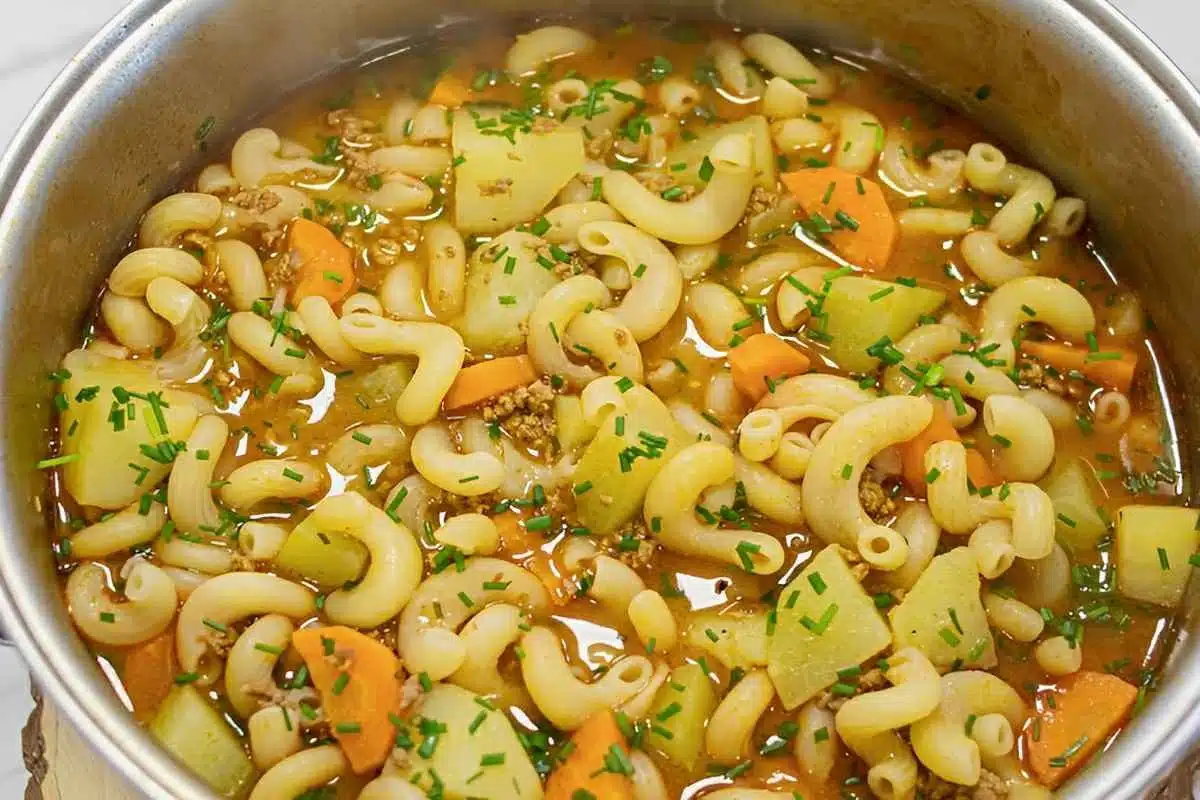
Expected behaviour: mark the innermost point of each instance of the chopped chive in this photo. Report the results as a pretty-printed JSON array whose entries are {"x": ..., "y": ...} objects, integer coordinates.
[{"x": 47, "y": 463}]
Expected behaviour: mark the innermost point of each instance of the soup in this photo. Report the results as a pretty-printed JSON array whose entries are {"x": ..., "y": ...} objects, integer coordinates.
[{"x": 641, "y": 411}]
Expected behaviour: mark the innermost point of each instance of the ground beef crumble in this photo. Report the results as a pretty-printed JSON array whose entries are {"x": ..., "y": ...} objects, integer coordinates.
[
  {"x": 495, "y": 187},
  {"x": 257, "y": 200},
  {"x": 870, "y": 681},
  {"x": 990, "y": 787},
  {"x": 659, "y": 182},
  {"x": 279, "y": 271},
  {"x": 353, "y": 129},
  {"x": 761, "y": 201},
  {"x": 1036, "y": 376},
  {"x": 526, "y": 414},
  {"x": 598, "y": 146},
  {"x": 620, "y": 542},
  {"x": 455, "y": 504},
  {"x": 875, "y": 500}
]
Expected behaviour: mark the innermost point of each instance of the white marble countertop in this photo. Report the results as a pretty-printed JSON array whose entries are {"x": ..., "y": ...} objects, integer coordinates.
[{"x": 37, "y": 40}]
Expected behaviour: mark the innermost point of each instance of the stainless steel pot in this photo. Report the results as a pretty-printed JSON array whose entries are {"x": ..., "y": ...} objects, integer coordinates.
[{"x": 1074, "y": 85}]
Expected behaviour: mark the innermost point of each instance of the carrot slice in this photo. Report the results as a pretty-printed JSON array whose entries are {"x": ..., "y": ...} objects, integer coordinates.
[
  {"x": 486, "y": 379},
  {"x": 359, "y": 682},
  {"x": 149, "y": 673},
  {"x": 325, "y": 266},
  {"x": 912, "y": 455},
  {"x": 450, "y": 91},
  {"x": 864, "y": 228},
  {"x": 1112, "y": 367},
  {"x": 515, "y": 540},
  {"x": 1088, "y": 707},
  {"x": 587, "y": 771},
  {"x": 763, "y": 360}
]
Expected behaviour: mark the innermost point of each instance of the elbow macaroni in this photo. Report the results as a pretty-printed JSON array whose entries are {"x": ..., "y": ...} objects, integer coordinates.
[
  {"x": 149, "y": 608},
  {"x": 427, "y": 638},
  {"x": 564, "y": 699},
  {"x": 669, "y": 512},
  {"x": 219, "y": 602},
  {"x": 830, "y": 489},
  {"x": 940, "y": 739},
  {"x": 706, "y": 217},
  {"x": 657, "y": 282},
  {"x": 394, "y": 568},
  {"x": 438, "y": 348},
  {"x": 1024, "y": 436}
]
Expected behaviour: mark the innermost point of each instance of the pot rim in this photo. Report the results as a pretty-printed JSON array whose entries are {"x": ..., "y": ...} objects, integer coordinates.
[{"x": 152, "y": 772}]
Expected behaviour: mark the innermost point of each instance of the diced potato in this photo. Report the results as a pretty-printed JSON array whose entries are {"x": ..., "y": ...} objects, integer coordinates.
[
  {"x": 692, "y": 153},
  {"x": 942, "y": 614},
  {"x": 825, "y": 621},
  {"x": 460, "y": 748},
  {"x": 194, "y": 731},
  {"x": 856, "y": 321},
  {"x": 1154, "y": 544},
  {"x": 741, "y": 639},
  {"x": 506, "y": 268},
  {"x": 616, "y": 495},
  {"x": 1044, "y": 583},
  {"x": 329, "y": 559},
  {"x": 1073, "y": 488},
  {"x": 499, "y": 183},
  {"x": 682, "y": 707},
  {"x": 571, "y": 428},
  {"x": 101, "y": 476},
  {"x": 385, "y": 383}
]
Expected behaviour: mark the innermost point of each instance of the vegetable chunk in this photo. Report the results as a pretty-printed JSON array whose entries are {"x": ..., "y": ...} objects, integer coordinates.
[
  {"x": 1113, "y": 367},
  {"x": 762, "y": 361},
  {"x": 115, "y": 457},
  {"x": 1154, "y": 548},
  {"x": 1087, "y": 708},
  {"x": 912, "y": 455},
  {"x": 508, "y": 169},
  {"x": 824, "y": 622},
  {"x": 1074, "y": 490},
  {"x": 866, "y": 315},
  {"x": 329, "y": 559},
  {"x": 943, "y": 616},
  {"x": 597, "y": 746},
  {"x": 471, "y": 748},
  {"x": 504, "y": 282},
  {"x": 681, "y": 711},
  {"x": 324, "y": 266},
  {"x": 193, "y": 731},
  {"x": 629, "y": 449},
  {"x": 850, "y": 211},
  {"x": 359, "y": 680},
  {"x": 487, "y": 379}
]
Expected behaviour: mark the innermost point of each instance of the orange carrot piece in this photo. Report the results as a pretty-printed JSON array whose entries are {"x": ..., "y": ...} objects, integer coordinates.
[
  {"x": 865, "y": 230},
  {"x": 763, "y": 360},
  {"x": 585, "y": 769},
  {"x": 325, "y": 266},
  {"x": 912, "y": 455},
  {"x": 1088, "y": 707},
  {"x": 486, "y": 379},
  {"x": 451, "y": 91},
  {"x": 1100, "y": 367},
  {"x": 359, "y": 681},
  {"x": 149, "y": 673},
  {"x": 515, "y": 541}
]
